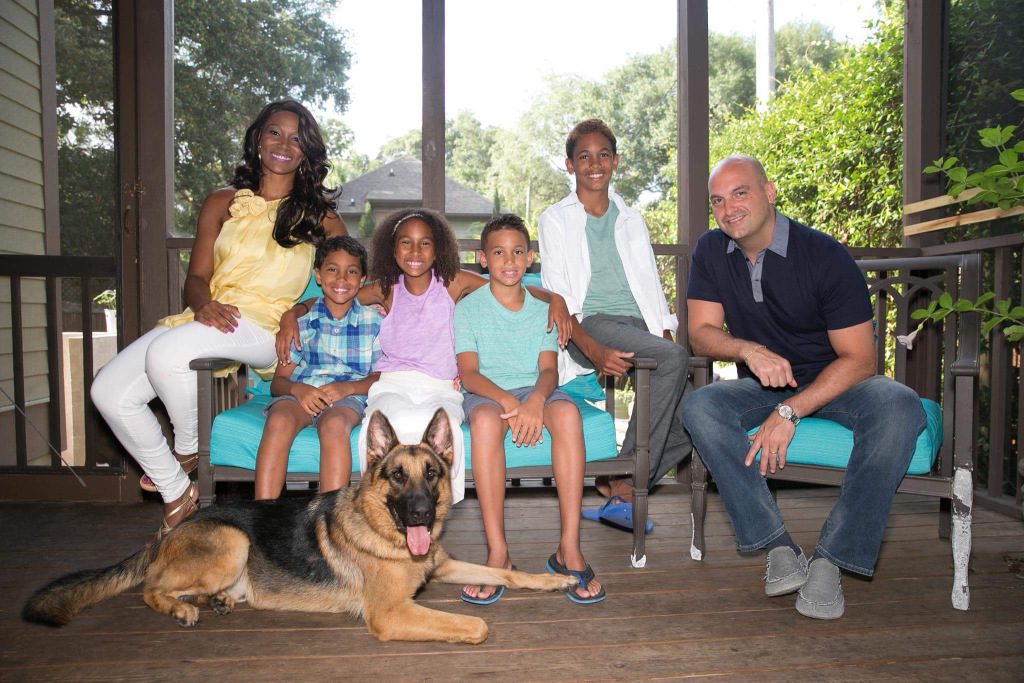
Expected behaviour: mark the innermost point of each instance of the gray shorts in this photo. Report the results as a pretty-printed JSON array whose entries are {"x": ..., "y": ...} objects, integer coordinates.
[
  {"x": 357, "y": 404},
  {"x": 471, "y": 401}
]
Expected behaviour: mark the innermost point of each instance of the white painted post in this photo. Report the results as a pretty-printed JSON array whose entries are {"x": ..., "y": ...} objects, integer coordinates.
[{"x": 963, "y": 500}]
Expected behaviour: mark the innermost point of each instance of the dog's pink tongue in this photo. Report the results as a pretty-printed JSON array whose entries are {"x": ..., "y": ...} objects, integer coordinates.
[{"x": 418, "y": 539}]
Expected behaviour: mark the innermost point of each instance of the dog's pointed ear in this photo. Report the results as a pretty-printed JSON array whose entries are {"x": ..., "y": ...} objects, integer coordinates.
[
  {"x": 439, "y": 436},
  {"x": 380, "y": 438}
]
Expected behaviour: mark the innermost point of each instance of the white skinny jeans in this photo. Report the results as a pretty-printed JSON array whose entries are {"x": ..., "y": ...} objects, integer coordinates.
[{"x": 156, "y": 365}]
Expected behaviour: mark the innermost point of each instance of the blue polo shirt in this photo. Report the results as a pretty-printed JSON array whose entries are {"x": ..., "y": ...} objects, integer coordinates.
[{"x": 803, "y": 285}]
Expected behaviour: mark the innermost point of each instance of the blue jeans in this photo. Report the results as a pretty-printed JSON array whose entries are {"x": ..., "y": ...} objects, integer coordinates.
[{"x": 885, "y": 417}]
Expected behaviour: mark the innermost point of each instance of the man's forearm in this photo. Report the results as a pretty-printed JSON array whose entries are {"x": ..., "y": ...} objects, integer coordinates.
[
  {"x": 717, "y": 344},
  {"x": 836, "y": 378}
]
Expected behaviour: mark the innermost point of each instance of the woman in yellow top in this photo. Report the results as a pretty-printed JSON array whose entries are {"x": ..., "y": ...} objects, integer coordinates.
[{"x": 251, "y": 260}]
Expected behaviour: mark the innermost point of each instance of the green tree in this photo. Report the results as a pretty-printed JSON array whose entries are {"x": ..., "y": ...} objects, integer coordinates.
[
  {"x": 346, "y": 162},
  {"x": 637, "y": 100},
  {"x": 832, "y": 142},
  {"x": 85, "y": 127},
  {"x": 409, "y": 144},
  {"x": 231, "y": 58},
  {"x": 366, "y": 224},
  {"x": 986, "y": 50},
  {"x": 526, "y": 180},
  {"x": 731, "y": 86},
  {"x": 732, "y": 90}
]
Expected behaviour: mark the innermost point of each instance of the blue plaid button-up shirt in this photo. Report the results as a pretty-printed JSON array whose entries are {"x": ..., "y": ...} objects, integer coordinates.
[{"x": 336, "y": 350}]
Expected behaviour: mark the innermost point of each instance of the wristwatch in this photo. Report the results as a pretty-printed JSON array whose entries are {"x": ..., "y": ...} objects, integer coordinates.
[{"x": 786, "y": 413}]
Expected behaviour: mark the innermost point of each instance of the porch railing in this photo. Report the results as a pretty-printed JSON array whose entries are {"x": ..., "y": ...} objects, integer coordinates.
[{"x": 51, "y": 269}]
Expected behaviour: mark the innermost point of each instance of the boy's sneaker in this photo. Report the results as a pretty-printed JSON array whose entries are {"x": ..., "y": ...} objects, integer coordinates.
[
  {"x": 786, "y": 572},
  {"x": 822, "y": 596}
]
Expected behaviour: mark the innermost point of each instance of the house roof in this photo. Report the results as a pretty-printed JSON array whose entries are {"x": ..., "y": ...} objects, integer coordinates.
[{"x": 400, "y": 183}]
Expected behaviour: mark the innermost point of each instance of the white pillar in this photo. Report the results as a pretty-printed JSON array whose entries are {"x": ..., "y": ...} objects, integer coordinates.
[{"x": 764, "y": 42}]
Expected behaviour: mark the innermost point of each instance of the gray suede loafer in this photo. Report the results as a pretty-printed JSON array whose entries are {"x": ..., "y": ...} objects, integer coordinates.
[
  {"x": 786, "y": 572},
  {"x": 822, "y": 596}
]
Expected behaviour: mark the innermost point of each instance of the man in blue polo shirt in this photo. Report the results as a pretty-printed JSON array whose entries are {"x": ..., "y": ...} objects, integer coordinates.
[{"x": 790, "y": 307}]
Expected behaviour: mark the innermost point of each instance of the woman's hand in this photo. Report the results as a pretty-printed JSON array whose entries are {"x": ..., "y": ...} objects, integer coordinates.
[
  {"x": 215, "y": 314},
  {"x": 287, "y": 336}
]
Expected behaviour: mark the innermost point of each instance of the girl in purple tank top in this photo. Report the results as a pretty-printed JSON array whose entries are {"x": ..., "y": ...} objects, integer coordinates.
[{"x": 417, "y": 279}]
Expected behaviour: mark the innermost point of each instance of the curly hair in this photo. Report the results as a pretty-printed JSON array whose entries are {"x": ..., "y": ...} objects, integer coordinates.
[
  {"x": 383, "y": 266},
  {"x": 301, "y": 214},
  {"x": 589, "y": 126}
]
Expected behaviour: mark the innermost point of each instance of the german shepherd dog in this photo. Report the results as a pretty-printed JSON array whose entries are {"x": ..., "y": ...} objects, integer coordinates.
[{"x": 364, "y": 550}]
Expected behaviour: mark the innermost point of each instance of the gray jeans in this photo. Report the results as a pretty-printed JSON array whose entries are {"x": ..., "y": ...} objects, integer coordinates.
[{"x": 669, "y": 441}]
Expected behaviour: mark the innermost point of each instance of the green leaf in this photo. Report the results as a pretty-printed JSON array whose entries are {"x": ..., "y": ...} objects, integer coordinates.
[
  {"x": 987, "y": 296},
  {"x": 1017, "y": 312},
  {"x": 1008, "y": 157},
  {"x": 989, "y": 324},
  {"x": 945, "y": 300},
  {"x": 1014, "y": 333},
  {"x": 931, "y": 169},
  {"x": 957, "y": 189},
  {"x": 1003, "y": 306},
  {"x": 948, "y": 163},
  {"x": 919, "y": 314},
  {"x": 963, "y": 305},
  {"x": 938, "y": 316},
  {"x": 958, "y": 174},
  {"x": 1018, "y": 95},
  {"x": 1019, "y": 147}
]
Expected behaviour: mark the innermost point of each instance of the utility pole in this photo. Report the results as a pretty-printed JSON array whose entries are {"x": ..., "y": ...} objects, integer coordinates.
[{"x": 765, "y": 49}]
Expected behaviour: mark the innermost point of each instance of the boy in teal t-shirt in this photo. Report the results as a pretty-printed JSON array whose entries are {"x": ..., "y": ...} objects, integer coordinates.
[{"x": 508, "y": 362}]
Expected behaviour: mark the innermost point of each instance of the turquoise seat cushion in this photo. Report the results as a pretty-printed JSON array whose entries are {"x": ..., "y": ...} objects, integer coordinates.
[
  {"x": 237, "y": 432},
  {"x": 824, "y": 442},
  {"x": 236, "y": 435}
]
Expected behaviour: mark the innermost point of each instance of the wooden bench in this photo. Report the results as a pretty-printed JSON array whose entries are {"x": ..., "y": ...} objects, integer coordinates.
[{"x": 231, "y": 423}]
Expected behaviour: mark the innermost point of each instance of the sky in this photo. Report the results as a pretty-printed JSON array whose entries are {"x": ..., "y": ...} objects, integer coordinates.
[{"x": 498, "y": 54}]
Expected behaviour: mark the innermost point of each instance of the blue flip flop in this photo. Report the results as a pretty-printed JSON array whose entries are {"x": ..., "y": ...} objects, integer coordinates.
[
  {"x": 584, "y": 577},
  {"x": 495, "y": 596},
  {"x": 617, "y": 513}
]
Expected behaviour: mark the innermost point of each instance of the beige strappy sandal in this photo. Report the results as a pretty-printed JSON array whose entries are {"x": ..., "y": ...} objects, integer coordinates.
[
  {"x": 188, "y": 463},
  {"x": 186, "y": 508}
]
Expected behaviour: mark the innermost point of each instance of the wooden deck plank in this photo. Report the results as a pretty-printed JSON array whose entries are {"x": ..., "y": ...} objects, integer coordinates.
[{"x": 676, "y": 618}]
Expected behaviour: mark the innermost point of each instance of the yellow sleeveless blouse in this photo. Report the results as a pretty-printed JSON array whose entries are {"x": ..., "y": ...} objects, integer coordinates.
[{"x": 250, "y": 269}]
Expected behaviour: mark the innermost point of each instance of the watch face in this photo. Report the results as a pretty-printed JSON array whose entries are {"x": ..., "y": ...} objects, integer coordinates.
[{"x": 785, "y": 411}]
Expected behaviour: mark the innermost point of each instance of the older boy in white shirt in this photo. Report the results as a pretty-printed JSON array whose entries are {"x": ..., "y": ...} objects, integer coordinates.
[{"x": 596, "y": 252}]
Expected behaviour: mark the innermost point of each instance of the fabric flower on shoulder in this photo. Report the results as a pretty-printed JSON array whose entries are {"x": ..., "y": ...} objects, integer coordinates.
[{"x": 247, "y": 203}]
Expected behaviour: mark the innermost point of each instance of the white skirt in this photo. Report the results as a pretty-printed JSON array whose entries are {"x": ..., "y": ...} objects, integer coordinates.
[{"x": 409, "y": 400}]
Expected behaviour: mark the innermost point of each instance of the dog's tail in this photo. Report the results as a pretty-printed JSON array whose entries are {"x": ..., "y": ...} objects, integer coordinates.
[{"x": 58, "y": 602}]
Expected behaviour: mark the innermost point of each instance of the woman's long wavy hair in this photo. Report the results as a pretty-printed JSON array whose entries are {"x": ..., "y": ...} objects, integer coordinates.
[
  {"x": 300, "y": 216},
  {"x": 384, "y": 267}
]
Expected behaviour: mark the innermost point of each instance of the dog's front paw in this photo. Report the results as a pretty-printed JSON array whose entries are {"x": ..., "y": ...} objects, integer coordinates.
[
  {"x": 560, "y": 582},
  {"x": 185, "y": 614}
]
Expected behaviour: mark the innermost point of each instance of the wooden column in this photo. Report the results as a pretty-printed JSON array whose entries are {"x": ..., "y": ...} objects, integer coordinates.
[
  {"x": 145, "y": 134},
  {"x": 924, "y": 105},
  {"x": 433, "y": 104},
  {"x": 692, "y": 134}
]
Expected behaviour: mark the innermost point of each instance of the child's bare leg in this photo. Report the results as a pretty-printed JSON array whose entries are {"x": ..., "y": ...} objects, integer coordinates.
[
  {"x": 562, "y": 418},
  {"x": 334, "y": 429},
  {"x": 284, "y": 421},
  {"x": 487, "y": 431}
]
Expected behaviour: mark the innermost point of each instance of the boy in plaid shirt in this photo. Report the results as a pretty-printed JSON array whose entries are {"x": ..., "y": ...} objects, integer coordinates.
[{"x": 326, "y": 382}]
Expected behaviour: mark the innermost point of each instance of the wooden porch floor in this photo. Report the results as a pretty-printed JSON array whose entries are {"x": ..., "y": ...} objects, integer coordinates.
[{"x": 674, "y": 619}]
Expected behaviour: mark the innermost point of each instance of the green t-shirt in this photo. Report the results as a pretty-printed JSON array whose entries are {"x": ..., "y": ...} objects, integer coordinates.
[
  {"x": 608, "y": 291},
  {"x": 507, "y": 343}
]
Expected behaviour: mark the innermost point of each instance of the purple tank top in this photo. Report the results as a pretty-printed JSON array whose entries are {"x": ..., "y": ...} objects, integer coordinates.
[{"x": 417, "y": 333}]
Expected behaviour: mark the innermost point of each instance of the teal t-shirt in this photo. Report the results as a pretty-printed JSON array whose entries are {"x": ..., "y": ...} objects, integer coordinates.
[
  {"x": 507, "y": 343},
  {"x": 608, "y": 291}
]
